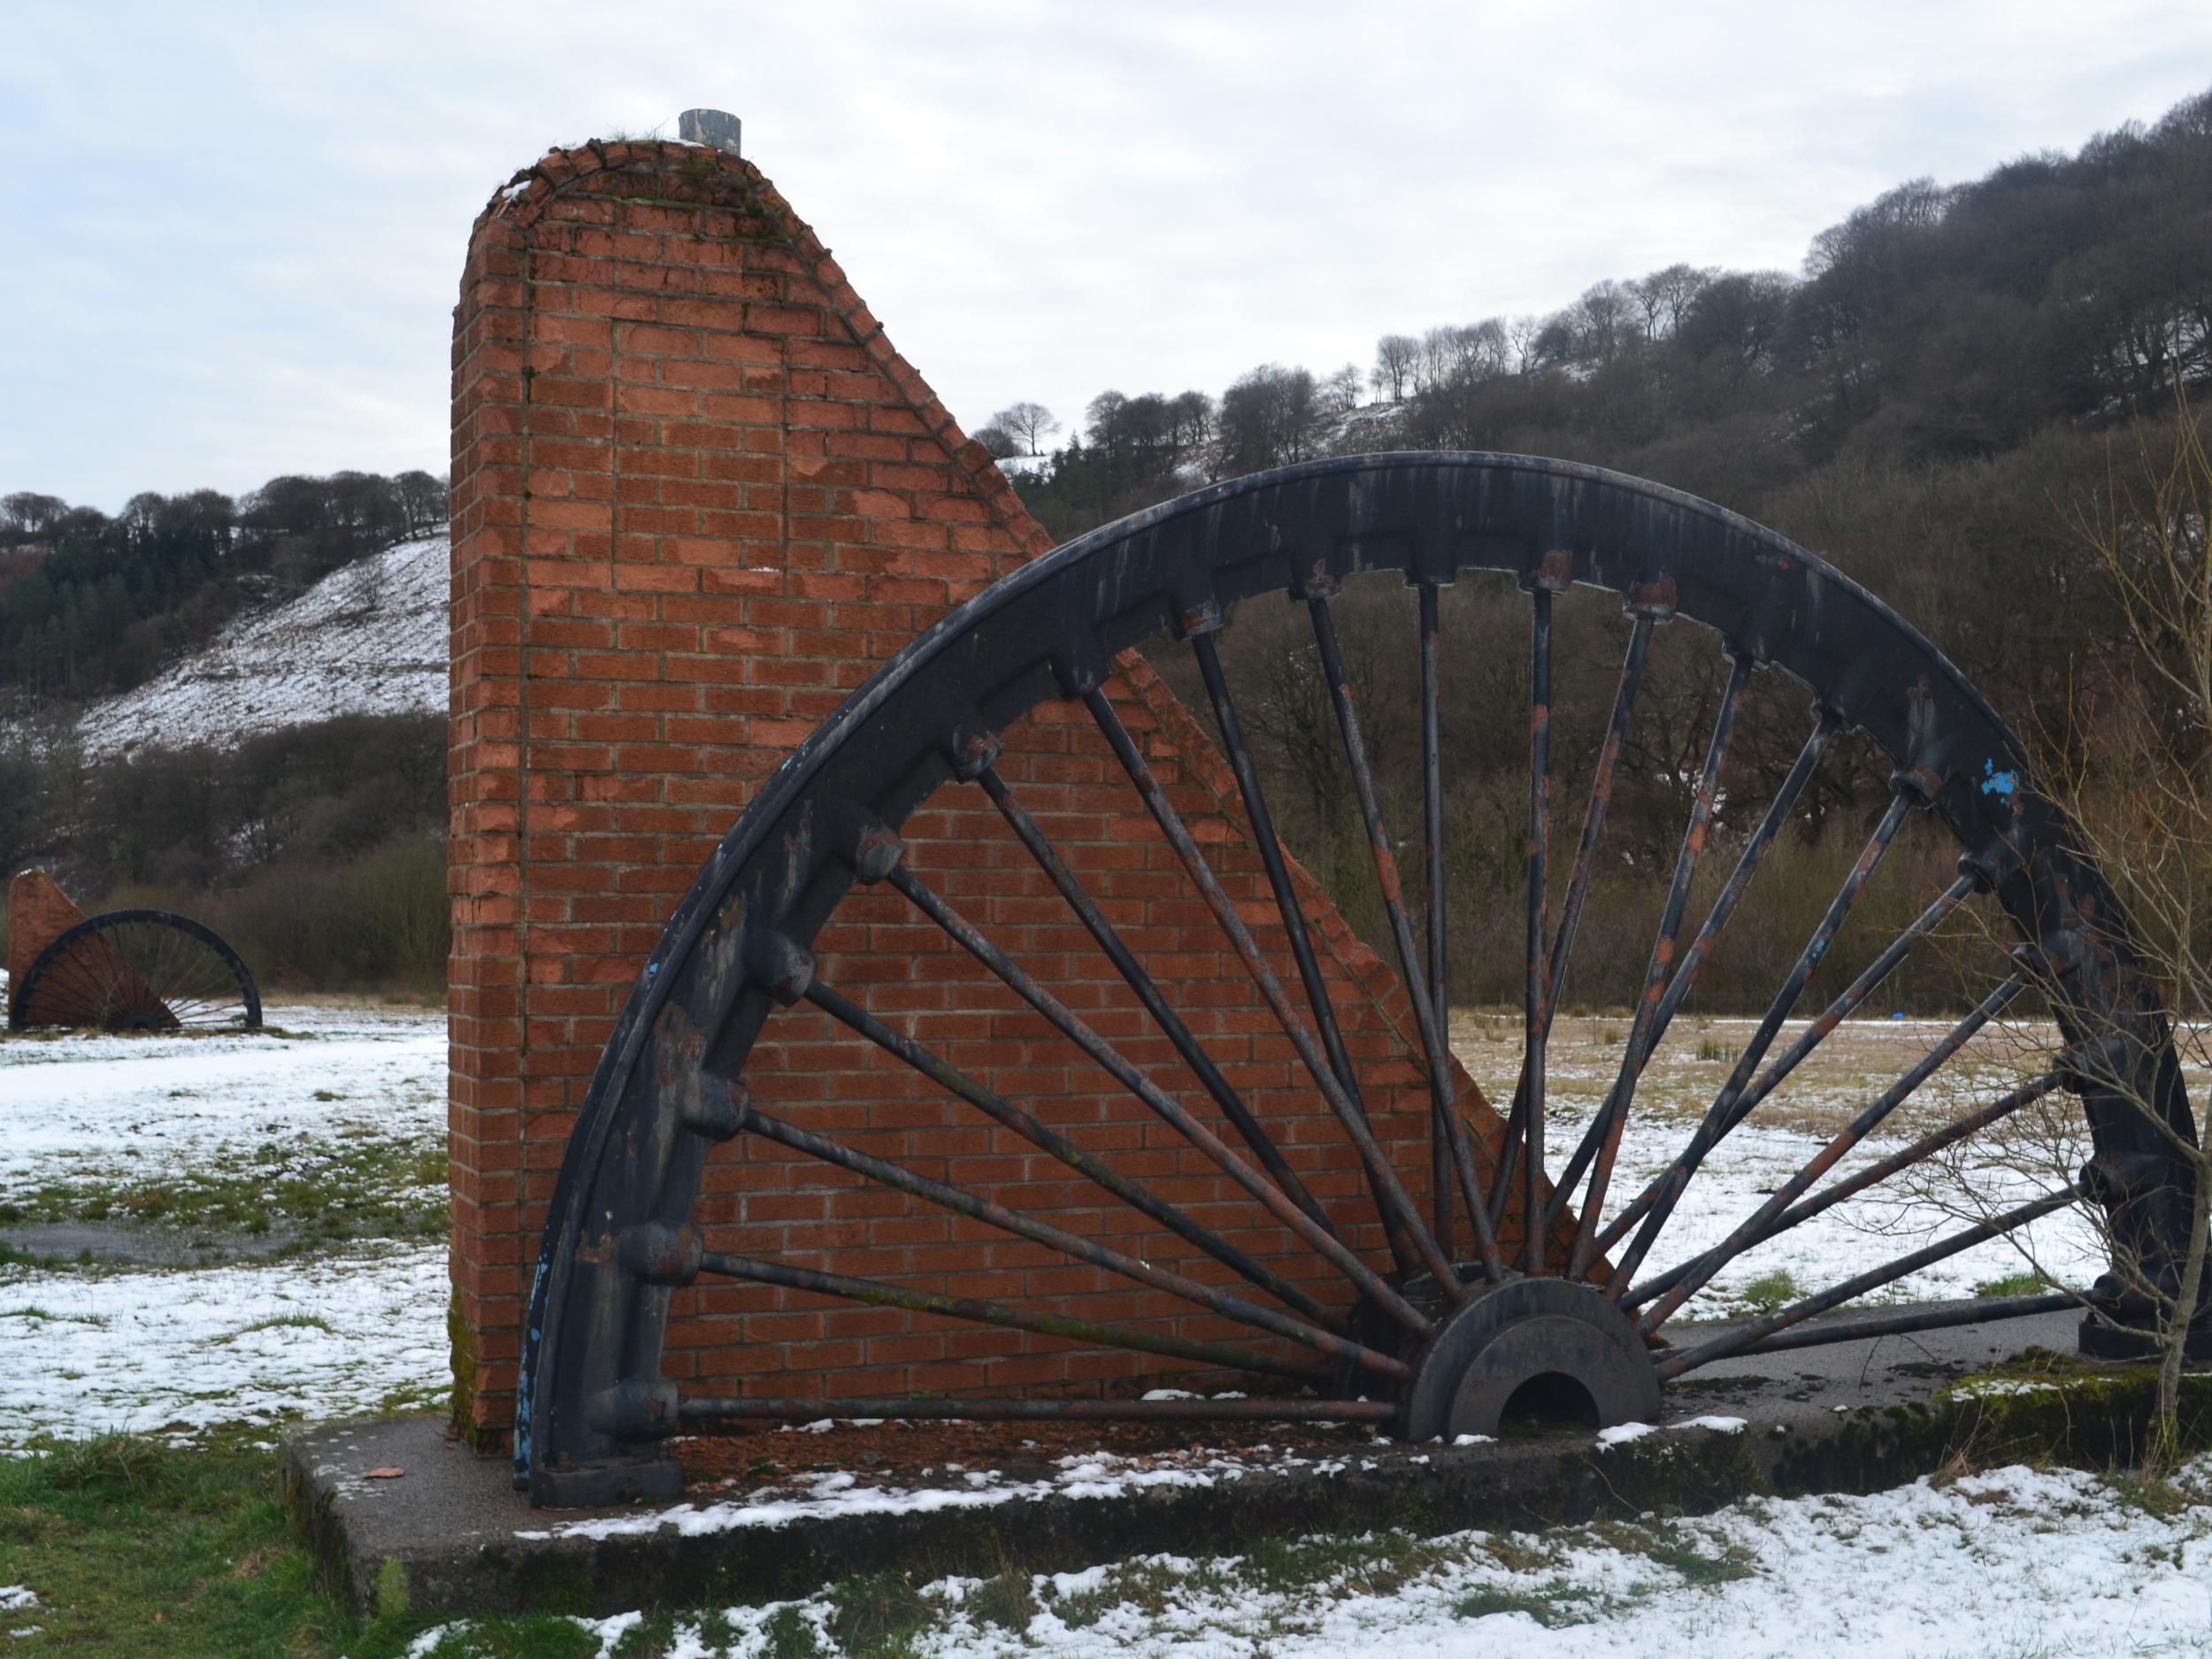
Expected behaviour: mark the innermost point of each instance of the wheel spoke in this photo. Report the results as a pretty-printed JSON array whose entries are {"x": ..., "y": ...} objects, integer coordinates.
[
  {"x": 1442, "y": 1170},
  {"x": 1759, "y": 1223},
  {"x": 1601, "y": 1143},
  {"x": 1118, "y": 952},
  {"x": 1398, "y": 1214},
  {"x": 1906, "y": 1157},
  {"x": 1925, "y": 1319},
  {"x": 1535, "y": 1002},
  {"x": 1577, "y": 889},
  {"x": 1735, "y": 1341},
  {"x": 1434, "y": 1051},
  {"x": 1118, "y": 1066},
  {"x": 1130, "y": 1192},
  {"x": 876, "y": 1293},
  {"x": 704, "y": 1410},
  {"x": 1683, "y": 979},
  {"x": 1671, "y": 1185},
  {"x": 1269, "y": 846},
  {"x": 964, "y": 1202},
  {"x": 1832, "y": 1017}
]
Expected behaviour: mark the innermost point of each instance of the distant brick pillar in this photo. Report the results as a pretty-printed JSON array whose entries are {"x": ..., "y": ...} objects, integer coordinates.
[
  {"x": 39, "y": 913},
  {"x": 697, "y": 498}
]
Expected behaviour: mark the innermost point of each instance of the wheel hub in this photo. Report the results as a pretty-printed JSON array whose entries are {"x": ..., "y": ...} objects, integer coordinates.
[{"x": 1539, "y": 1347}]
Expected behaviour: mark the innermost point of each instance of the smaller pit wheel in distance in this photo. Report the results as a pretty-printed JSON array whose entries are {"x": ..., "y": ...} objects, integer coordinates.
[{"x": 142, "y": 970}]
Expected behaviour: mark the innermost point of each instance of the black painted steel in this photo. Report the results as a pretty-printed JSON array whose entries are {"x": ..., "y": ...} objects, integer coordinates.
[
  {"x": 1758, "y": 1226},
  {"x": 1989, "y": 1311},
  {"x": 1853, "y": 998},
  {"x": 1689, "y": 1359},
  {"x": 1441, "y": 1169},
  {"x": 700, "y": 1411},
  {"x": 1673, "y": 1183},
  {"x": 1137, "y": 1196},
  {"x": 1187, "y": 1047},
  {"x": 137, "y": 971},
  {"x": 1601, "y": 1144},
  {"x": 1578, "y": 884},
  {"x": 1294, "y": 916},
  {"x": 1008, "y": 1316},
  {"x": 1429, "y": 1028},
  {"x": 977, "y": 1208},
  {"x": 1398, "y": 1211},
  {"x": 671, "y": 1084}
]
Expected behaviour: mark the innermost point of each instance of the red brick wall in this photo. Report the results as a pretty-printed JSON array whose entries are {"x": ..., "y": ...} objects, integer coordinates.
[
  {"x": 697, "y": 498},
  {"x": 39, "y": 913}
]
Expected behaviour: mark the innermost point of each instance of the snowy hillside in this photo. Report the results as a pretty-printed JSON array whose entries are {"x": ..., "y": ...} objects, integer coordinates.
[{"x": 368, "y": 639}]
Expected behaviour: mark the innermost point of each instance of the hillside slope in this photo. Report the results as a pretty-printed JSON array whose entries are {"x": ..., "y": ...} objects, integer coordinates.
[{"x": 367, "y": 639}]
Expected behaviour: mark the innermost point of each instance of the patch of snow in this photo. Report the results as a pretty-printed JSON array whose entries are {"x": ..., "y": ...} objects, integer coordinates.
[
  {"x": 2014, "y": 1561},
  {"x": 1989, "y": 1387},
  {"x": 177, "y": 1351},
  {"x": 1621, "y": 1433},
  {"x": 16, "y": 1598},
  {"x": 810, "y": 1497},
  {"x": 89, "y": 1106},
  {"x": 308, "y": 1335},
  {"x": 1718, "y": 1425},
  {"x": 370, "y": 638}
]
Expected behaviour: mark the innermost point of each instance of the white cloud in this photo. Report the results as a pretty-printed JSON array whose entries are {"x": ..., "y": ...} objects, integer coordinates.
[{"x": 234, "y": 231}]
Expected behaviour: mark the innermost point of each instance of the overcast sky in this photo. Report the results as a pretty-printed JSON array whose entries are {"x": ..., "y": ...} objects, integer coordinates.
[{"x": 231, "y": 234}]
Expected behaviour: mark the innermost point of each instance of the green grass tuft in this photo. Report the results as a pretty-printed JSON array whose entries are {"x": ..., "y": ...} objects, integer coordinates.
[{"x": 878, "y": 1613}]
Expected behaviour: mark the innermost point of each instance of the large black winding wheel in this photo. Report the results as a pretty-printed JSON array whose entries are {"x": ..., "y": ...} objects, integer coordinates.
[{"x": 1441, "y": 1339}]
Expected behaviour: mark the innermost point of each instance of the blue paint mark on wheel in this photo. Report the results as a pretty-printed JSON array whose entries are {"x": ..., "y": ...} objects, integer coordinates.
[{"x": 1999, "y": 783}]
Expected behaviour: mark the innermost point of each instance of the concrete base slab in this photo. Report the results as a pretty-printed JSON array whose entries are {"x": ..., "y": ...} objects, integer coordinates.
[{"x": 452, "y": 1531}]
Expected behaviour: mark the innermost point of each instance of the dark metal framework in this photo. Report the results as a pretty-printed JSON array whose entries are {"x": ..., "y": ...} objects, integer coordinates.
[
  {"x": 1450, "y": 1321},
  {"x": 144, "y": 971}
]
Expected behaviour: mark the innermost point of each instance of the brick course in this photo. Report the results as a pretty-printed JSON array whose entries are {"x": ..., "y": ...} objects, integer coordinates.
[
  {"x": 39, "y": 913},
  {"x": 698, "y": 497}
]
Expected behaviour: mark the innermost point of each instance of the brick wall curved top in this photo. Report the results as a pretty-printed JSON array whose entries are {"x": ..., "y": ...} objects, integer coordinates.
[
  {"x": 521, "y": 203},
  {"x": 699, "y": 497}
]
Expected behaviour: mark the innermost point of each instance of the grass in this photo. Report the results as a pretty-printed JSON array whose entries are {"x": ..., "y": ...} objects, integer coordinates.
[
  {"x": 880, "y": 1613},
  {"x": 2026, "y": 1283},
  {"x": 1551, "y": 1608},
  {"x": 361, "y": 1186},
  {"x": 135, "y": 1547},
  {"x": 1769, "y": 1293}
]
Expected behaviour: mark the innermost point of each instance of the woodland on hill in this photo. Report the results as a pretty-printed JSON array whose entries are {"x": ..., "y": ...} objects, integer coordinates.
[
  {"x": 1963, "y": 389},
  {"x": 91, "y": 604},
  {"x": 1954, "y": 398}
]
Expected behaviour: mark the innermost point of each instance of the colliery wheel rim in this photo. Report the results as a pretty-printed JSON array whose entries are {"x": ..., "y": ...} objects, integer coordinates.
[
  {"x": 221, "y": 969},
  {"x": 1049, "y": 630}
]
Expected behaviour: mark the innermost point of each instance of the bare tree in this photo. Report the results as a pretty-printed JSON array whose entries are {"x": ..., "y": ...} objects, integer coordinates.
[
  {"x": 1665, "y": 296},
  {"x": 1031, "y": 423},
  {"x": 1340, "y": 393},
  {"x": 1002, "y": 444},
  {"x": 2131, "y": 780},
  {"x": 1395, "y": 356}
]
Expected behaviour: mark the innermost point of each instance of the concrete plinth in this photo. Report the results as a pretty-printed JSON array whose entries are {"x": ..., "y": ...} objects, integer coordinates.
[{"x": 1851, "y": 1416}]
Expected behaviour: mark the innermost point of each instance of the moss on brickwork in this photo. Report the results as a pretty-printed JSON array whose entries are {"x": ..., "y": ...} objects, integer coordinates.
[{"x": 461, "y": 1352}]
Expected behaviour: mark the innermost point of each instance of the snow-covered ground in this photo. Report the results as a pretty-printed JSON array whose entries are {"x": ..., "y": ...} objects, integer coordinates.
[
  {"x": 86, "y": 1107},
  {"x": 161, "y": 1138},
  {"x": 368, "y": 639},
  {"x": 2002, "y": 1565},
  {"x": 323, "y": 1136}
]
